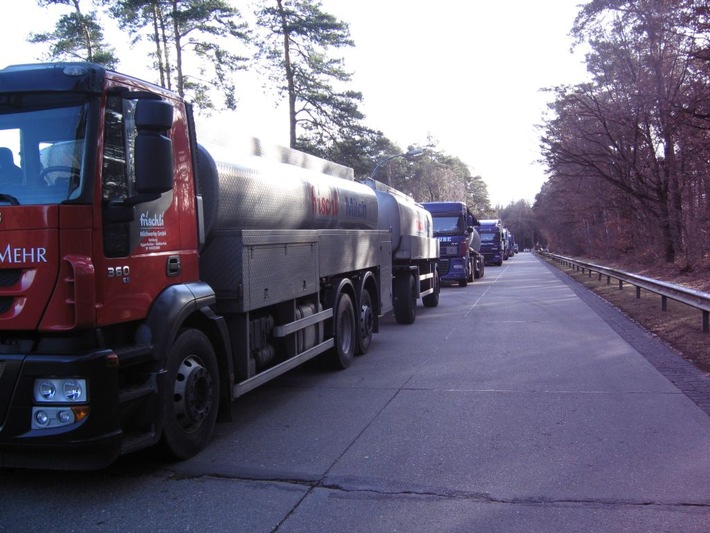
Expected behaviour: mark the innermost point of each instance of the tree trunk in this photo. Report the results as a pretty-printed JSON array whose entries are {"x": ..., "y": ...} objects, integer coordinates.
[
  {"x": 289, "y": 75},
  {"x": 178, "y": 51}
]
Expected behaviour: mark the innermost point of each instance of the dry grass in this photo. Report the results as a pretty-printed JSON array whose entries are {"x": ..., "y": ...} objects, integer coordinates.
[{"x": 680, "y": 326}]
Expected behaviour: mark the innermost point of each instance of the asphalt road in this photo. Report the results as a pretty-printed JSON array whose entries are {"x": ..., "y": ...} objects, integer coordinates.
[{"x": 519, "y": 404}]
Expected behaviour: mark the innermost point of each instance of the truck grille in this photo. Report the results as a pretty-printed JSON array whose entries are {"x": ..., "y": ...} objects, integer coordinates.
[
  {"x": 10, "y": 277},
  {"x": 444, "y": 265},
  {"x": 9, "y": 370}
]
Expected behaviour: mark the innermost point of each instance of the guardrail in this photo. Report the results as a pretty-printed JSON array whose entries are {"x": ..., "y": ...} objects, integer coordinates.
[{"x": 697, "y": 299}]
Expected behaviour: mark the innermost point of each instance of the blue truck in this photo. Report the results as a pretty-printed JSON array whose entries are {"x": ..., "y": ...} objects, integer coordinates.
[
  {"x": 460, "y": 260},
  {"x": 512, "y": 246},
  {"x": 493, "y": 241}
]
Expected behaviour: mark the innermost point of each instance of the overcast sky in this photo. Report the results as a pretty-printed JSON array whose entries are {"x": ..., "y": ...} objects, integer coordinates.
[{"x": 467, "y": 73}]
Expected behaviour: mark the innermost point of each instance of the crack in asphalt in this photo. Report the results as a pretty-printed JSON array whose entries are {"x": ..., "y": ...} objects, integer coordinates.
[{"x": 431, "y": 493}]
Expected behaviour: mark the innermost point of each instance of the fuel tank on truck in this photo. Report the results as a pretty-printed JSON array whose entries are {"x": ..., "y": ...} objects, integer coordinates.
[
  {"x": 474, "y": 240},
  {"x": 409, "y": 223},
  {"x": 248, "y": 184}
]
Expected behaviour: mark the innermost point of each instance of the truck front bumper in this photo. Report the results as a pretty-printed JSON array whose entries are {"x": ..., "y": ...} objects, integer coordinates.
[
  {"x": 454, "y": 270},
  {"x": 492, "y": 257}
]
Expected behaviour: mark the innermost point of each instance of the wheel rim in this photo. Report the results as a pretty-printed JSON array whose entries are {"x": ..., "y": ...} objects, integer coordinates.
[
  {"x": 345, "y": 331},
  {"x": 367, "y": 319},
  {"x": 192, "y": 394}
]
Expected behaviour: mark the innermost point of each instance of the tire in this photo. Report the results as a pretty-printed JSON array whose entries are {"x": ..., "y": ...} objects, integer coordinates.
[
  {"x": 479, "y": 267},
  {"x": 366, "y": 323},
  {"x": 405, "y": 299},
  {"x": 432, "y": 300},
  {"x": 191, "y": 395},
  {"x": 471, "y": 268},
  {"x": 345, "y": 333}
]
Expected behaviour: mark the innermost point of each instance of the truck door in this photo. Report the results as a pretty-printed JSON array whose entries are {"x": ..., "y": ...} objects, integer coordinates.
[{"x": 140, "y": 235}]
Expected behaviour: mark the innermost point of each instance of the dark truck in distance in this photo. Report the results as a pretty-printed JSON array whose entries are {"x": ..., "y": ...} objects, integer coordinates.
[
  {"x": 512, "y": 246},
  {"x": 493, "y": 244},
  {"x": 460, "y": 260}
]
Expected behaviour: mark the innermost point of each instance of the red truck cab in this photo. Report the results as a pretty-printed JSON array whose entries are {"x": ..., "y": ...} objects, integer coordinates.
[{"x": 97, "y": 219}]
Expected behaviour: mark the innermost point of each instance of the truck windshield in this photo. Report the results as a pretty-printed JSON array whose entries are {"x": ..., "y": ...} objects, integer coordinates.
[
  {"x": 489, "y": 236},
  {"x": 443, "y": 225},
  {"x": 41, "y": 148}
]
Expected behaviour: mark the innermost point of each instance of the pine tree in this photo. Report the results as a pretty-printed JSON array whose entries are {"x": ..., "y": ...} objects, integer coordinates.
[
  {"x": 296, "y": 42},
  {"x": 76, "y": 37},
  {"x": 189, "y": 36}
]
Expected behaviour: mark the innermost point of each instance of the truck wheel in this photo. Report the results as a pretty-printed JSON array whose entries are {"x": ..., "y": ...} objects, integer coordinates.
[
  {"x": 367, "y": 323},
  {"x": 405, "y": 299},
  {"x": 191, "y": 397},
  {"x": 345, "y": 330},
  {"x": 432, "y": 300},
  {"x": 470, "y": 270}
]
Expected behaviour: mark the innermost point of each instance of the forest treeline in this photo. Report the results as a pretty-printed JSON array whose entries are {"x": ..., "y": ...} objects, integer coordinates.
[{"x": 626, "y": 151}]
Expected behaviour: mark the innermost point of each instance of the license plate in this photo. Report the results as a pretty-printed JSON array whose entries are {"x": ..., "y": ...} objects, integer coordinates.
[{"x": 451, "y": 250}]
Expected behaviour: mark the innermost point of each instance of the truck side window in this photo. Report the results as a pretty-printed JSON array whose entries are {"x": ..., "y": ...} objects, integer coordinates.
[{"x": 115, "y": 181}]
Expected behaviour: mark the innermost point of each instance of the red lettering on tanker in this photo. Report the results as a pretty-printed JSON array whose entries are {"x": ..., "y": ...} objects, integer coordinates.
[
  {"x": 420, "y": 227},
  {"x": 325, "y": 205}
]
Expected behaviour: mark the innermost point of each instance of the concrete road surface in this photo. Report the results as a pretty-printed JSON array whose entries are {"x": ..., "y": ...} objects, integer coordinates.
[{"x": 521, "y": 404}]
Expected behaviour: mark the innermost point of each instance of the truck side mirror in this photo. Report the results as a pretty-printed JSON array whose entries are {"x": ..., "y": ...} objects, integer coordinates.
[{"x": 154, "y": 149}]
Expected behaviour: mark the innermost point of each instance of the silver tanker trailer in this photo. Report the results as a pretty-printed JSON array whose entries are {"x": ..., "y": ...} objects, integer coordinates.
[
  {"x": 280, "y": 224},
  {"x": 177, "y": 274},
  {"x": 415, "y": 251}
]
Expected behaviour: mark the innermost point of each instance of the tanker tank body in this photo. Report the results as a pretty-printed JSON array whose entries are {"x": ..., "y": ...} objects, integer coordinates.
[
  {"x": 292, "y": 249},
  {"x": 257, "y": 186},
  {"x": 415, "y": 251},
  {"x": 474, "y": 241}
]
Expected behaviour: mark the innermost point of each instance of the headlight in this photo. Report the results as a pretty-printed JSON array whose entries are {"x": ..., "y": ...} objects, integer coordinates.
[
  {"x": 45, "y": 391},
  {"x": 74, "y": 390},
  {"x": 57, "y": 390},
  {"x": 41, "y": 418},
  {"x": 54, "y": 417}
]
